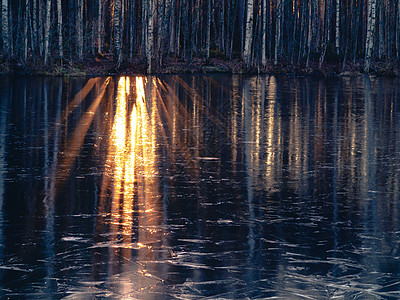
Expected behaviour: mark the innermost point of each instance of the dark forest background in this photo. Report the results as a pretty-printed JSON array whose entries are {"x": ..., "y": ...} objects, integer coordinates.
[{"x": 257, "y": 34}]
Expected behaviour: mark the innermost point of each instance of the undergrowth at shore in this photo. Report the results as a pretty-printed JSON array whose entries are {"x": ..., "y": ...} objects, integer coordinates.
[{"x": 173, "y": 65}]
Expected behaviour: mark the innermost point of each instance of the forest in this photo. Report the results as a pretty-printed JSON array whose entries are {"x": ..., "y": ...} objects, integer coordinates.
[{"x": 234, "y": 35}]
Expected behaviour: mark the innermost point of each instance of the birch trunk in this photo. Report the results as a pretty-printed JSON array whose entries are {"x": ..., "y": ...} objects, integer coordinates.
[
  {"x": 369, "y": 42},
  {"x": 47, "y": 31},
  {"x": 264, "y": 34},
  {"x": 100, "y": 27},
  {"x": 79, "y": 29},
  {"x": 327, "y": 31},
  {"x": 278, "y": 30},
  {"x": 117, "y": 32},
  {"x": 310, "y": 31},
  {"x": 171, "y": 7},
  {"x": 131, "y": 26},
  {"x": 25, "y": 50},
  {"x": 337, "y": 27},
  {"x": 5, "y": 27},
  {"x": 398, "y": 29},
  {"x": 222, "y": 27},
  {"x": 381, "y": 38},
  {"x": 208, "y": 37},
  {"x": 160, "y": 35},
  {"x": 150, "y": 36},
  {"x": 59, "y": 29},
  {"x": 248, "y": 33},
  {"x": 34, "y": 26}
]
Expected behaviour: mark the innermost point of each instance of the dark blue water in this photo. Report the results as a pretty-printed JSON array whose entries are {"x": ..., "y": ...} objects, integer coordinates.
[{"x": 199, "y": 187}]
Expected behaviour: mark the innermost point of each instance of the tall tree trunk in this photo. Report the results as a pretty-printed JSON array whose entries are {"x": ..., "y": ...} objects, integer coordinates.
[
  {"x": 59, "y": 29},
  {"x": 337, "y": 27},
  {"x": 34, "y": 27},
  {"x": 264, "y": 34},
  {"x": 131, "y": 27},
  {"x": 5, "y": 27},
  {"x": 47, "y": 31},
  {"x": 40, "y": 27},
  {"x": 398, "y": 30},
  {"x": 248, "y": 33},
  {"x": 222, "y": 27},
  {"x": 99, "y": 26},
  {"x": 150, "y": 35},
  {"x": 171, "y": 8},
  {"x": 310, "y": 31},
  {"x": 208, "y": 29},
  {"x": 327, "y": 31},
  {"x": 381, "y": 32},
  {"x": 26, "y": 21},
  {"x": 369, "y": 42},
  {"x": 160, "y": 29},
  {"x": 278, "y": 29},
  {"x": 79, "y": 29},
  {"x": 117, "y": 32}
]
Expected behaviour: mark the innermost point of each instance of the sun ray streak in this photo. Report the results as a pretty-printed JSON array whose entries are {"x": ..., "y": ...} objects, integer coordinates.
[{"x": 76, "y": 141}]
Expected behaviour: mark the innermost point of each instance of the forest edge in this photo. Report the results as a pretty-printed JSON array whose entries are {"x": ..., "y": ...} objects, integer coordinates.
[{"x": 105, "y": 65}]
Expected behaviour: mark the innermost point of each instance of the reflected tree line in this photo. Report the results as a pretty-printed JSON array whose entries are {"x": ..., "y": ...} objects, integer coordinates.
[
  {"x": 139, "y": 154},
  {"x": 258, "y": 32}
]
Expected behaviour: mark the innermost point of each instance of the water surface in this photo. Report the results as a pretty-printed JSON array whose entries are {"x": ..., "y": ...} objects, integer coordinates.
[{"x": 188, "y": 187}]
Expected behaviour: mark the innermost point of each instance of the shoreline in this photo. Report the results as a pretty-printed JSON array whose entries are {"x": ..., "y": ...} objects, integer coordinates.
[{"x": 105, "y": 66}]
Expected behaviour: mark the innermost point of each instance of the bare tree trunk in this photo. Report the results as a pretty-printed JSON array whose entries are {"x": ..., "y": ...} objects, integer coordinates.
[
  {"x": 59, "y": 29},
  {"x": 327, "y": 31},
  {"x": 100, "y": 26},
  {"x": 79, "y": 29},
  {"x": 131, "y": 27},
  {"x": 117, "y": 32},
  {"x": 222, "y": 27},
  {"x": 248, "y": 33},
  {"x": 303, "y": 32},
  {"x": 278, "y": 29},
  {"x": 381, "y": 38},
  {"x": 160, "y": 35},
  {"x": 150, "y": 35},
  {"x": 369, "y": 42},
  {"x": 337, "y": 27},
  {"x": 171, "y": 7},
  {"x": 398, "y": 30},
  {"x": 208, "y": 29},
  {"x": 47, "y": 31},
  {"x": 34, "y": 27},
  {"x": 26, "y": 20},
  {"x": 264, "y": 34},
  {"x": 5, "y": 27},
  {"x": 310, "y": 31},
  {"x": 122, "y": 22}
]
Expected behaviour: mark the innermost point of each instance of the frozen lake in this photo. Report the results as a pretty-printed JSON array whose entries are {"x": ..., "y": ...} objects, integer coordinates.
[{"x": 199, "y": 187}]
